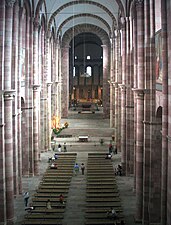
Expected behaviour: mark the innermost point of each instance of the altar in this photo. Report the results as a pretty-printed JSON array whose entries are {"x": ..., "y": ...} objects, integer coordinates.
[{"x": 83, "y": 138}]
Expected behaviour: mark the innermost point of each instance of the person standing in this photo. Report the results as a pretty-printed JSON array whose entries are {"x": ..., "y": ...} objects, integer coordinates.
[
  {"x": 26, "y": 198},
  {"x": 82, "y": 168},
  {"x": 59, "y": 148},
  {"x": 48, "y": 204},
  {"x": 110, "y": 148},
  {"x": 65, "y": 148},
  {"x": 76, "y": 168},
  {"x": 61, "y": 199}
]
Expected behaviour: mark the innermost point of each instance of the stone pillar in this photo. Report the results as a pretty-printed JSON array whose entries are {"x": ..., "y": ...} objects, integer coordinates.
[
  {"x": 36, "y": 98},
  {"x": 140, "y": 109},
  {"x": 60, "y": 83},
  {"x": 119, "y": 81},
  {"x": 2, "y": 124},
  {"x": 112, "y": 93},
  {"x": 106, "y": 86},
  {"x": 45, "y": 134},
  {"x": 19, "y": 72},
  {"x": 9, "y": 181},
  {"x": 65, "y": 82},
  {"x": 123, "y": 126},
  {"x": 128, "y": 105},
  {"x": 123, "y": 97},
  {"x": 146, "y": 171},
  {"x": 165, "y": 145},
  {"x": 15, "y": 106},
  {"x": 36, "y": 94},
  {"x": 8, "y": 97},
  {"x": 29, "y": 93},
  {"x": 135, "y": 86},
  {"x": 139, "y": 93},
  {"x": 49, "y": 84},
  {"x": 116, "y": 95},
  {"x": 43, "y": 97}
]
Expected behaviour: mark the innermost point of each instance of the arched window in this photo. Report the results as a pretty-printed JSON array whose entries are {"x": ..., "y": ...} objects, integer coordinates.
[{"x": 89, "y": 70}]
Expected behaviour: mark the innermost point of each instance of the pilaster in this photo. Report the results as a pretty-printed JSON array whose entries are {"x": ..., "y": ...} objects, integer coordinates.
[
  {"x": 106, "y": 87},
  {"x": 65, "y": 82},
  {"x": 49, "y": 85},
  {"x": 139, "y": 95},
  {"x": 123, "y": 126}
]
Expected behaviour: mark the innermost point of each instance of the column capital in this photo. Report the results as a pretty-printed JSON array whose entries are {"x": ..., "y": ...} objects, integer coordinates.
[
  {"x": 36, "y": 87},
  {"x": 116, "y": 84},
  {"x": 47, "y": 34},
  {"x": 169, "y": 138},
  {"x": 138, "y": 92},
  {"x": 49, "y": 84},
  {"x": 151, "y": 122},
  {"x": 122, "y": 23},
  {"x": 43, "y": 99},
  {"x": 122, "y": 87},
  {"x": 36, "y": 23},
  {"x": 10, "y": 3},
  {"x": 139, "y": 2},
  {"x": 9, "y": 94}
]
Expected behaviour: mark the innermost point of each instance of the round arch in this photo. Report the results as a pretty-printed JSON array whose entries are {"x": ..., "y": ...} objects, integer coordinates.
[{"x": 67, "y": 37}]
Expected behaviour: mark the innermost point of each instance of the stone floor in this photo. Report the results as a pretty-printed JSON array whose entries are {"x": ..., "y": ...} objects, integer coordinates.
[{"x": 96, "y": 127}]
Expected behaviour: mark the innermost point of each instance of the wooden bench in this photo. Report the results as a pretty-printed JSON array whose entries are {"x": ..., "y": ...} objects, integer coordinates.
[
  {"x": 54, "y": 176},
  {"x": 56, "y": 191},
  {"x": 101, "y": 186},
  {"x": 102, "y": 222},
  {"x": 90, "y": 175},
  {"x": 103, "y": 210},
  {"x": 66, "y": 187},
  {"x": 114, "y": 199},
  {"x": 101, "y": 215},
  {"x": 52, "y": 199},
  {"x": 55, "y": 183},
  {"x": 67, "y": 154},
  {"x": 44, "y": 216},
  {"x": 103, "y": 204},
  {"x": 48, "y": 195},
  {"x": 97, "y": 179},
  {"x": 47, "y": 211},
  {"x": 102, "y": 183},
  {"x": 44, "y": 221},
  {"x": 95, "y": 190},
  {"x": 102, "y": 195},
  {"x": 43, "y": 205},
  {"x": 56, "y": 173}
]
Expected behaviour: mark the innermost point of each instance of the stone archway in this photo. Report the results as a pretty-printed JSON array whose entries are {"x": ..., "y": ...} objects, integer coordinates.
[{"x": 65, "y": 65}]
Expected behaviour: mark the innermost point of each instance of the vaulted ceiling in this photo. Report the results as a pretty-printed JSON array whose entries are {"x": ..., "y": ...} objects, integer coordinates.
[{"x": 65, "y": 14}]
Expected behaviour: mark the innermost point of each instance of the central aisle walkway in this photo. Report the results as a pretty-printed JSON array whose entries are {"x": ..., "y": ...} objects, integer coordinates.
[{"x": 75, "y": 207}]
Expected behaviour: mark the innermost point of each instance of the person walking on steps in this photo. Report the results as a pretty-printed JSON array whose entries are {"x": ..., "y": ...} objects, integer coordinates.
[{"x": 82, "y": 168}]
